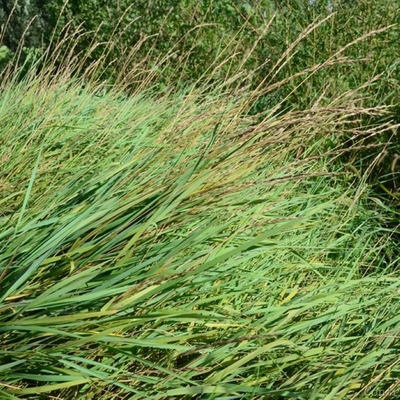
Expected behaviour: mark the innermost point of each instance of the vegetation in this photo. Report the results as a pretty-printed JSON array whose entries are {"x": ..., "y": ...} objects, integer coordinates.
[
  {"x": 181, "y": 42},
  {"x": 207, "y": 231}
]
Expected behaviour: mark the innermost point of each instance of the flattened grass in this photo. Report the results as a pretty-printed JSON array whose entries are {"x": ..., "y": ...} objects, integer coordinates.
[{"x": 173, "y": 248}]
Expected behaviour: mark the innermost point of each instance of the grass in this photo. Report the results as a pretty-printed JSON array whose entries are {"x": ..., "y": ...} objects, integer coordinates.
[{"x": 165, "y": 247}]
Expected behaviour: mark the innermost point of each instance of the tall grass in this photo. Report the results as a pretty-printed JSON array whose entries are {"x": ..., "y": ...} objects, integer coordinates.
[
  {"x": 164, "y": 247},
  {"x": 168, "y": 248}
]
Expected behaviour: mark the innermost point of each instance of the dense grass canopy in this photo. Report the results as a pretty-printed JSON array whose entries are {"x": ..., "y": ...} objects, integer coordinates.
[
  {"x": 188, "y": 202},
  {"x": 174, "y": 247}
]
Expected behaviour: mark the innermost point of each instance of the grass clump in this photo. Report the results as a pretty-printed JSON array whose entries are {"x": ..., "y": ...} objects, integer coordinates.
[{"x": 174, "y": 247}]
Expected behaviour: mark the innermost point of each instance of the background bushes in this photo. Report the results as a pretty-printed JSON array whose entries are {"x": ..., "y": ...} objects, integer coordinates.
[{"x": 194, "y": 33}]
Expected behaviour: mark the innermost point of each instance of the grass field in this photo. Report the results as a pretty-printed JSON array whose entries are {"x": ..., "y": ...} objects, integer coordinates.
[{"x": 177, "y": 247}]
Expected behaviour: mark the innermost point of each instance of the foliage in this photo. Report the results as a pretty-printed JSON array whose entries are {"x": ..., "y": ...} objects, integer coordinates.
[
  {"x": 365, "y": 59},
  {"x": 22, "y": 24},
  {"x": 5, "y": 56},
  {"x": 188, "y": 231},
  {"x": 187, "y": 40},
  {"x": 158, "y": 248}
]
